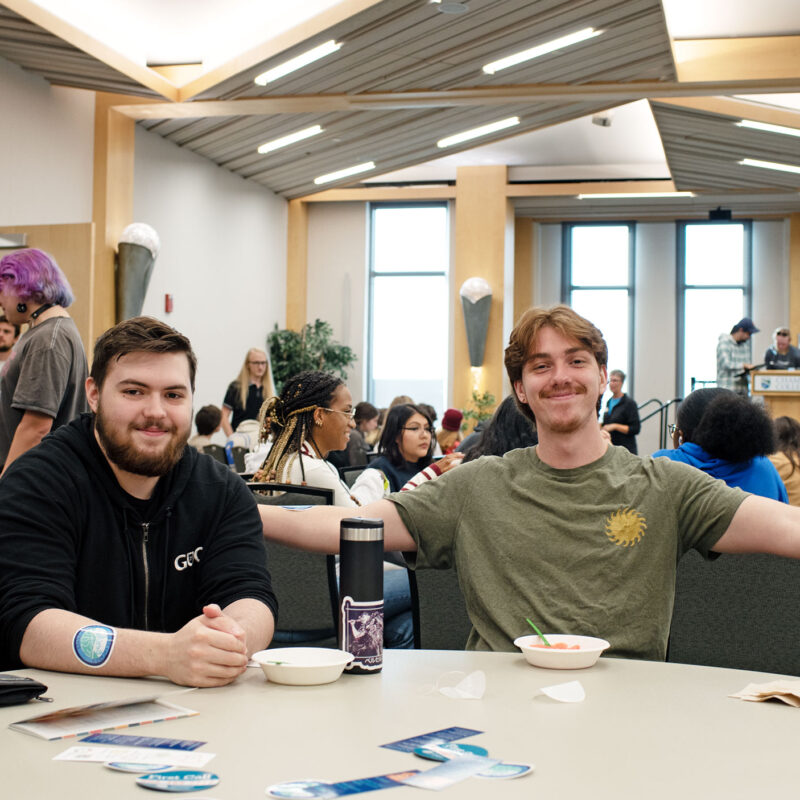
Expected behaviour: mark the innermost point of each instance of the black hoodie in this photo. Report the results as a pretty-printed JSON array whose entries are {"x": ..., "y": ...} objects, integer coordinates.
[{"x": 71, "y": 538}]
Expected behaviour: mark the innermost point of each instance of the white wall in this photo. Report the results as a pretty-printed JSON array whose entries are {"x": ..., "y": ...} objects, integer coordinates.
[
  {"x": 337, "y": 278},
  {"x": 46, "y": 150},
  {"x": 223, "y": 257}
]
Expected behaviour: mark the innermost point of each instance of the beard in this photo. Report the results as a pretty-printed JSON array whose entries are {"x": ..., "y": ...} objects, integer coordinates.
[
  {"x": 4, "y": 348},
  {"x": 120, "y": 448}
]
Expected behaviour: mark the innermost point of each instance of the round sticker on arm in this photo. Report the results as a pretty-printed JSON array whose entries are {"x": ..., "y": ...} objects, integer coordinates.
[{"x": 93, "y": 644}]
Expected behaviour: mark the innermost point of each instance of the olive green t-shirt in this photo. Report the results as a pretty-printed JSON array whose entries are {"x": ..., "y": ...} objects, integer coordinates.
[{"x": 589, "y": 551}]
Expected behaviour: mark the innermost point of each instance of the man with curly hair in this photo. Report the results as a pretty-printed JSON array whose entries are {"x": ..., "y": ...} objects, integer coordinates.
[{"x": 580, "y": 535}]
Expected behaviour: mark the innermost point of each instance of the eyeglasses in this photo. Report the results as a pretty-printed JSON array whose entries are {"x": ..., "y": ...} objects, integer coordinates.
[
  {"x": 258, "y": 363},
  {"x": 783, "y": 333},
  {"x": 418, "y": 429},
  {"x": 351, "y": 414},
  {"x": 672, "y": 428}
]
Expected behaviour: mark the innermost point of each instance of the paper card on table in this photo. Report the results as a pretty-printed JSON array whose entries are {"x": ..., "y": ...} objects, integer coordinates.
[
  {"x": 131, "y": 740},
  {"x": 134, "y": 755},
  {"x": 451, "y": 772},
  {"x": 786, "y": 691},
  {"x": 472, "y": 687},
  {"x": 571, "y": 692},
  {"x": 96, "y": 717},
  {"x": 389, "y": 781},
  {"x": 434, "y": 737}
]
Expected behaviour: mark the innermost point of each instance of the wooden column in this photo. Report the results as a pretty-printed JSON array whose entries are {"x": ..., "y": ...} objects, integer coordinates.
[
  {"x": 523, "y": 266},
  {"x": 484, "y": 244},
  {"x": 112, "y": 204},
  {"x": 297, "y": 265},
  {"x": 794, "y": 275}
]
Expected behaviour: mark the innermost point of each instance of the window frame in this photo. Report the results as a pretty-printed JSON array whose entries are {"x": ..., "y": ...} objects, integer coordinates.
[
  {"x": 681, "y": 285},
  {"x": 372, "y": 207},
  {"x": 567, "y": 286}
]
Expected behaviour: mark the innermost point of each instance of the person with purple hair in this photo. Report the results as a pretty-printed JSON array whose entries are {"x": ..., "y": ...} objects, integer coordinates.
[{"x": 42, "y": 383}]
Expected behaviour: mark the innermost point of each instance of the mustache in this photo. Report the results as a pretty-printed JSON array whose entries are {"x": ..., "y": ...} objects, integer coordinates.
[
  {"x": 158, "y": 424},
  {"x": 574, "y": 387}
]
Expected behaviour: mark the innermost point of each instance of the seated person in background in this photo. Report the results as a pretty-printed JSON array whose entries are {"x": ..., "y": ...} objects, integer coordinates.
[
  {"x": 366, "y": 419},
  {"x": 782, "y": 355},
  {"x": 207, "y": 421},
  {"x": 621, "y": 419},
  {"x": 449, "y": 437},
  {"x": 312, "y": 416},
  {"x": 141, "y": 558},
  {"x": 247, "y": 393},
  {"x": 786, "y": 458},
  {"x": 729, "y": 437},
  {"x": 430, "y": 412},
  {"x": 507, "y": 430},
  {"x": 9, "y": 333},
  {"x": 579, "y": 536}
]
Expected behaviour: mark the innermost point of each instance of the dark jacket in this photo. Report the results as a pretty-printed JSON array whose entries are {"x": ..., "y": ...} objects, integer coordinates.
[
  {"x": 398, "y": 477},
  {"x": 72, "y": 539},
  {"x": 625, "y": 413}
]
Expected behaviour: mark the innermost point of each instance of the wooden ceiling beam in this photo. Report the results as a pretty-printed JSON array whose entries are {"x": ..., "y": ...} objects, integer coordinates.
[
  {"x": 77, "y": 38},
  {"x": 743, "y": 109},
  {"x": 479, "y": 96},
  {"x": 748, "y": 58}
]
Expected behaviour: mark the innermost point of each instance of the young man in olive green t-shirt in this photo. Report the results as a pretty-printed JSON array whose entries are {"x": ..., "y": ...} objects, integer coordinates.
[{"x": 582, "y": 535}]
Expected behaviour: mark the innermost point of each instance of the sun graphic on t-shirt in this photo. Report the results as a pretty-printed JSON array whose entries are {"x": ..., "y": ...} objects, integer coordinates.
[{"x": 625, "y": 527}]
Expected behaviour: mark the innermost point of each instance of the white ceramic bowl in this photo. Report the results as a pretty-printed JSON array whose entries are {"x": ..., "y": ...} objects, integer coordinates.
[
  {"x": 589, "y": 651},
  {"x": 302, "y": 666}
]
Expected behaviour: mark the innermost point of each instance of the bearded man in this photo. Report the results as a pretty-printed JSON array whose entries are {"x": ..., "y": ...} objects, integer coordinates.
[{"x": 123, "y": 551}]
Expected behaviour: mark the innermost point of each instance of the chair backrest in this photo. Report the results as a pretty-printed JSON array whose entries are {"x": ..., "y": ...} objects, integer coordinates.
[
  {"x": 440, "y": 614},
  {"x": 305, "y": 583},
  {"x": 350, "y": 474},
  {"x": 739, "y": 611},
  {"x": 238, "y": 458},
  {"x": 216, "y": 451}
]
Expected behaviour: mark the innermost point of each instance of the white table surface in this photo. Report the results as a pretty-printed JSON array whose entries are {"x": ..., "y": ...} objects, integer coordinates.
[{"x": 645, "y": 730}]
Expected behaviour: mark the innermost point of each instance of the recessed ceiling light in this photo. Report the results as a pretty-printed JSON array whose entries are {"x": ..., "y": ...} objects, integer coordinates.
[
  {"x": 765, "y": 126},
  {"x": 474, "y": 133},
  {"x": 309, "y": 57},
  {"x": 345, "y": 173},
  {"x": 446, "y": 7},
  {"x": 291, "y": 138},
  {"x": 540, "y": 50},
  {"x": 620, "y": 195},
  {"x": 754, "y": 162}
]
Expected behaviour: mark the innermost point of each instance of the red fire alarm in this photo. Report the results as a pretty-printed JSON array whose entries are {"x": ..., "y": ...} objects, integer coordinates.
[{"x": 168, "y": 303}]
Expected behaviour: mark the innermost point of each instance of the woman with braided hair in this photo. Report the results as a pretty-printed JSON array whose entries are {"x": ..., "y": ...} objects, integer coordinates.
[{"x": 312, "y": 416}]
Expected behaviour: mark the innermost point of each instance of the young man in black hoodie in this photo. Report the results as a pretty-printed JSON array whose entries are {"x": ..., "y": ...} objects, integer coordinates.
[{"x": 122, "y": 551}]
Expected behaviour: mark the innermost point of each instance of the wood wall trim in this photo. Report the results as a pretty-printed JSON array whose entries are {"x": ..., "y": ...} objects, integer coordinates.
[
  {"x": 523, "y": 266},
  {"x": 297, "y": 265},
  {"x": 794, "y": 273}
]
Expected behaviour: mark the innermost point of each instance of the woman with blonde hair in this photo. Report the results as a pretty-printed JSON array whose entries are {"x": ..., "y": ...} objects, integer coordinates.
[
  {"x": 786, "y": 458},
  {"x": 247, "y": 393}
]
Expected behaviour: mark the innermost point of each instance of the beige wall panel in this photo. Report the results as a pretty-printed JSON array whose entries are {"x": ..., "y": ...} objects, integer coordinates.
[
  {"x": 794, "y": 273},
  {"x": 523, "y": 266}
]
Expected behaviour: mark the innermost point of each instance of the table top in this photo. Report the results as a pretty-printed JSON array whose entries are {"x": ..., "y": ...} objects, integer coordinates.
[{"x": 645, "y": 729}]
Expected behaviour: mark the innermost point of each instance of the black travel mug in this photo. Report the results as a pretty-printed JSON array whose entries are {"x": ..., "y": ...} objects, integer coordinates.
[{"x": 361, "y": 593}]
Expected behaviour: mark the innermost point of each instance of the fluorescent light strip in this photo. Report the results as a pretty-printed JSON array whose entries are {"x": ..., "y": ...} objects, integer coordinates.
[
  {"x": 754, "y": 162},
  {"x": 475, "y": 133},
  {"x": 623, "y": 195},
  {"x": 309, "y": 57},
  {"x": 765, "y": 126},
  {"x": 345, "y": 173},
  {"x": 291, "y": 138},
  {"x": 540, "y": 50}
]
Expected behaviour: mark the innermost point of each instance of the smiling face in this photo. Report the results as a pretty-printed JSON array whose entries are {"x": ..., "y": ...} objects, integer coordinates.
[
  {"x": 414, "y": 440},
  {"x": 143, "y": 411},
  {"x": 782, "y": 340},
  {"x": 615, "y": 381},
  {"x": 332, "y": 425},
  {"x": 561, "y": 382}
]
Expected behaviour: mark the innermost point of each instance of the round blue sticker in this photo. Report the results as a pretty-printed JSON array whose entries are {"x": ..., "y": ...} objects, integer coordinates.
[
  {"x": 179, "y": 780},
  {"x": 93, "y": 644},
  {"x": 444, "y": 752},
  {"x": 506, "y": 771},
  {"x": 301, "y": 790}
]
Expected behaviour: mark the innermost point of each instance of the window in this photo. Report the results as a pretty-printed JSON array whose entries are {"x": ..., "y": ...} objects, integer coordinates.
[
  {"x": 408, "y": 304},
  {"x": 598, "y": 283},
  {"x": 714, "y": 280}
]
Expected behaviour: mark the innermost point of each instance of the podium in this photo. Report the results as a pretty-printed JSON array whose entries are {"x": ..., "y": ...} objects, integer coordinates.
[{"x": 780, "y": 389}]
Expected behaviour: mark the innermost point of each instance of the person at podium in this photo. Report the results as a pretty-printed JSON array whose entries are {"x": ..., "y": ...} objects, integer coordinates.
[{"x": 782, "y": 355}]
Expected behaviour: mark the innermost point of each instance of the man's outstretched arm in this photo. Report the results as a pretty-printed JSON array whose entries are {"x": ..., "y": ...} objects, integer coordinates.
[
  {"x": 762, "y": 526},
  {"x": 210, "y": 650},
  {"x": 317, "y": 529}
]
